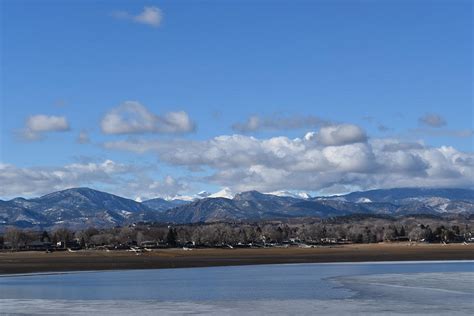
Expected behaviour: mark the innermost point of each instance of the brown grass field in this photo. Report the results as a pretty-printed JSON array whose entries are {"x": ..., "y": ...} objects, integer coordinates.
[{"x": 29, "y": 262}]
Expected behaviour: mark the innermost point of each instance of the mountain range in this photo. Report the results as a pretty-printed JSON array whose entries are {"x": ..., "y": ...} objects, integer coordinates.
[{"x": 82, "y": 207}]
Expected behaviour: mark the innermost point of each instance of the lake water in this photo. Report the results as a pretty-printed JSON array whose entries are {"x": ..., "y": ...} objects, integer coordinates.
[{"x": 300, "y": 289}]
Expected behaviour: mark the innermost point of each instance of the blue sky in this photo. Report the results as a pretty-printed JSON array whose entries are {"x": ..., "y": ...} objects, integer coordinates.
[{"x": 401, "y": 71}]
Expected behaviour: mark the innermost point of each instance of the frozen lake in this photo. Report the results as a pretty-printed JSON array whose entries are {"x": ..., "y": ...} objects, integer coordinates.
[{"x": 338, "y": 288}]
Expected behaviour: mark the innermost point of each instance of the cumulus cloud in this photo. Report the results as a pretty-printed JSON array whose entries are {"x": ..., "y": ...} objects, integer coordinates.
[
  {"x": 432, "y": 120},
  {"x": 401, "y": 146},
  {"x": 37, "y": 125},
  {"x": 342, "y": 134},
  {"x": 256, "y": 123},
  {"x": 151, "y": 16},
  {"x": 132, "y": 117},
  {"x": 342, "y": 157},
  {"x": 334, "y": 163},
  {"x": 125, "y": 180}
]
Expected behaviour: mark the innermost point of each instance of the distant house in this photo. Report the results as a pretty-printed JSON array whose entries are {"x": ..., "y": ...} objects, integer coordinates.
[
  {"x": 39, "y": 245},
  {"x": 190, "y": 244},
  {"x": 329, "y": 240},
  {"x": 148, "y": 244},
  {"x": 69, "y": 244}
]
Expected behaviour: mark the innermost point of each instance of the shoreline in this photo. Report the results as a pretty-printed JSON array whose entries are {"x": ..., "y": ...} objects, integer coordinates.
[
  {"x": 20, "y": 263},
  {"x": 14, "y": 275}
]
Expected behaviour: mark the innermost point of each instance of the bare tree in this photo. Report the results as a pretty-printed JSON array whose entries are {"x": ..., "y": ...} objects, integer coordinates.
[{"x": 14, "y": 238}]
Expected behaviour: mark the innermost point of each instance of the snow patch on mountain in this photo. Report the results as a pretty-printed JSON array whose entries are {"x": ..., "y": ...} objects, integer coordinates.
[
  {"x": 187, "y": 198},
  {"x": 126, "y": 214},
  {"x": 296, "y": 194},
  {"x": 203, "y": 194},
  {"x": 224, "y": 193}
]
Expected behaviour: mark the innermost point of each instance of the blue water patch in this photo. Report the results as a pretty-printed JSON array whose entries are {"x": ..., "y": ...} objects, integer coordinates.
[{"x": 430, "y": 287}]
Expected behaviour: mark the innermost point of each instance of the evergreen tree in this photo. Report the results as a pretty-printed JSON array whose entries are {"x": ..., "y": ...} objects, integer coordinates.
[
  {"x": 402, "y": 232},
  {"x": 171, "y": 237},
  {"x": 45, "y": 237}
]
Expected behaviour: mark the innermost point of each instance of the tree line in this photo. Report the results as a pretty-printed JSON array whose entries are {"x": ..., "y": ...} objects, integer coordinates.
[{"x": 309, "y": 231}]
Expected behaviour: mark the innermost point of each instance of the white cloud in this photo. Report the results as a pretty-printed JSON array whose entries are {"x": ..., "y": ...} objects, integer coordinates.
[
  {"x": 37, "y": 125},
  {"x": 257, "y": 123},
  {"x": 145, "y": 188},
  {"x": 432, "y": 120},
  {"x": 342, "y": 158},
  {"x": 151, "y": 16},
  {"x": 351, "y": 158},
  {"x": 247, "y": 163},
  {"x": 125, "y": 180},
  {"x": 39, "y": 180},
  {"x": 132, "y": 117},
  {"x": 343, "y": 134}
]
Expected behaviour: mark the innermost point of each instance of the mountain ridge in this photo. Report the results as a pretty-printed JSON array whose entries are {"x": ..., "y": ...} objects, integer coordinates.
[{"x": 80, "y": 207}]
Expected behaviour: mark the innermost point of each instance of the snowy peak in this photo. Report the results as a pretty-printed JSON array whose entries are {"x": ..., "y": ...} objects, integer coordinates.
[
  {"x": 229, "y": 194},
  {"x": 224, "y": 193},
  {"x": 296, "y": 195},
  {"x": 188, "y": 198},
  {"x": 203, "y": 194}
]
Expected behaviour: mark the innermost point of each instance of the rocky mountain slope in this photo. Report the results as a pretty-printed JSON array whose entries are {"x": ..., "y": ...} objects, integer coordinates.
[
  {"x": 81, "y": 207},
  {"x": 72, "y": 207}
]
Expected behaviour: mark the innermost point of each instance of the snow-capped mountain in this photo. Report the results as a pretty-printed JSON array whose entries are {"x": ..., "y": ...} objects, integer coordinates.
[
  {"x": 188, "y": 198},
  {"x": 296, "y": 195},
  {"x": 224, "y": 193},
  {"x": 203, "y": 194},
  {"x": 253, "y": 205},
  {"x": 71, "y": 207},
  {"x": 401, "y": 195},
  {"x": 83, "y": 207}
]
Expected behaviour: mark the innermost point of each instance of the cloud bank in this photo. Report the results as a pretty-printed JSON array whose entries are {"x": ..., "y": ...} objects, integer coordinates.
[
  {"x": 333, "y": 158},
  {"x": 338, "y": 156}
]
